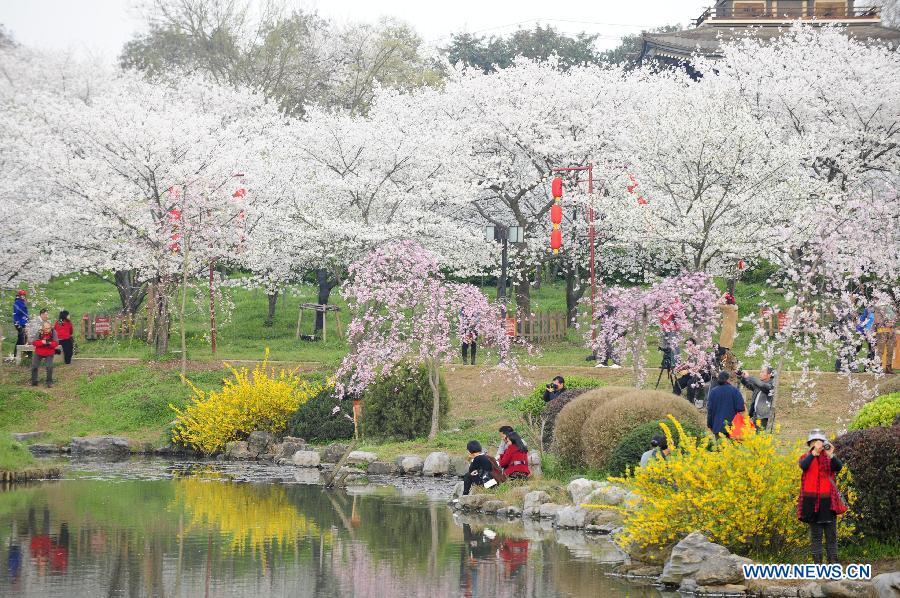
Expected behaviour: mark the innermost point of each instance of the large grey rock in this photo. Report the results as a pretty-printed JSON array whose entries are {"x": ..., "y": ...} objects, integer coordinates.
[
  {"x": 606, "y": 495},
  {"x": 333, "y": 453},
  {"x": 887, "y": 584},
  {"x": 718, "y": 591},
  {"x": 580, "y": 488},
  {"x": 574, "y": 517},
  {"x": 458, "y": 465},
  {"x": 492, "y": 506},
  {"x": 534, "y": 463},
  {"x": 473, "y": 502},
  {"x": 549, "y": 510},
  {"x": 850, "y": 589},
  {"x": 437, "y": 463},
  {"x": 382, "y": 468},
  {"x": 259, "y": 442},
  {"x": 361, "y": 457},
  {"x": 533, "y": 502},
  {"x": 650, "y": 554},
  {"x": 707, "y": 563},
  {"x": 26, "y": 436},
  {"x": 306, "y": 459},
  {"x": 409, "y": 464},
  {"x": 237, "y": 450},
  {"x": 810, "y": 590},
  {"x": 288, "y": 446},
  {"x": 100, "y": 445}
]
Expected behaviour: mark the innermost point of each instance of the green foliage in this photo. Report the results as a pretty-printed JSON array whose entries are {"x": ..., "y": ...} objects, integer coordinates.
[
  {"x": 567, "y": 442},
  {"x": 554, "y": 408},
  {"x": 13, "y": 455},
  {"x": 315, "y": 420},
  {"x": 609, "y": 423},
  {"x": 399, "y": 404},
  {"x": 873, "y": 457},
  {"x": 880, "y": 412},
  {"x": 636, "y": 442}
]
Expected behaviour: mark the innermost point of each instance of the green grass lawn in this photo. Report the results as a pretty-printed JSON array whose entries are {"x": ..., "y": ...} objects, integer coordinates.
[
  {"x": 14, "y": 456},
  {"x": 243, "y": 335}
]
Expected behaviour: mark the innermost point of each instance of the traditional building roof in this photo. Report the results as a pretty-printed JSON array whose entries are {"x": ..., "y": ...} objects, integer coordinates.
[{"x": 763, "y": 20}]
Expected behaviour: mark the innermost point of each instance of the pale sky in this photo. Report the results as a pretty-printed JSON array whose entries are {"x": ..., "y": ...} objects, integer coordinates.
[{"x": 102, "y": 26}]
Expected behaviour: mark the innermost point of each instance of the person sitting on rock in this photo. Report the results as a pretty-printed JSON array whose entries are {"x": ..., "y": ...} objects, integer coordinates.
[
  {"x": 481, "y": 469},
  {"x": 513, "y": 454},
  {"x": 658, "y": 446}
]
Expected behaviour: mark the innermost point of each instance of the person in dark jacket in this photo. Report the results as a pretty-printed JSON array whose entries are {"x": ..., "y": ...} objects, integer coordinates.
[
  {"x": 513, "y": 454},
  {"x": 20, "y": 316},
  {"x": 725, "y": 401},
  {"x": 481, "y": 469},
  {"x": 44, "y": 349},
  {"x": 819, "y": 503},
  {"x": 556, "y": 387},
  {"x": 763, "y": 394},
  {"x": 64, "y": 332}
]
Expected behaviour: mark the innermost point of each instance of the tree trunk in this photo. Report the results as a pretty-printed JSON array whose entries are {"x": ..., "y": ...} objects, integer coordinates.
[
  {"x": 574, "y": 292},
  {"x": 185, "y": 273},
  {"x": 538, "y": 275},
  {"x": 523, "y": 292},
  {"x": 160, "y": 320},
  {"x": 131, "y": 292},
  {"x": 326, "y": 283},
  {"x": 273, "y": 300},
  {"x": 434, "y": 381},
  {"x": 504, "y": 267}
]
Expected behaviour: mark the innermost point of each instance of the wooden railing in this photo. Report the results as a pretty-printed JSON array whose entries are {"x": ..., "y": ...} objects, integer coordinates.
[
  {"x": 120, "y": 326},
  {"x": 539, "y": 327},
  {"x": 828, "y": 11}
]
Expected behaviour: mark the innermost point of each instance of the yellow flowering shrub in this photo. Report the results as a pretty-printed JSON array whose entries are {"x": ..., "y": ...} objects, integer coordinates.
[
  {"x": 257, "y": 400},
  {"x": 742, "y": 495}
]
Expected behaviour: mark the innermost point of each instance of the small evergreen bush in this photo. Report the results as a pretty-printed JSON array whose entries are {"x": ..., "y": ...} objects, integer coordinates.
[
  {"x": 315, "y": 421},
  {"x": 873, "y": 457},
  {"x": 880, "y": 412},
  {"x": 607, "y": 425},
  {"x": 399, "y": 404},
  {"x": 635, "y": 443},
  {"x": 567, "y": 433}
]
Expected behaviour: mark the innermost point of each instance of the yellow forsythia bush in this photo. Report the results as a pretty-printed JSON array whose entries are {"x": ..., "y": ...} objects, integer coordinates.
[
  {"x": 257, "y": 400},
  {"x": 741, "y": 494}
]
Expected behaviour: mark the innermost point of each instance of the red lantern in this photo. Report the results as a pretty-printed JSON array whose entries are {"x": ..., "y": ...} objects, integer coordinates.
[
  {"x": 556, "y": 240},
  {"x": 633, "y": 184},
  {"x": 741, "y": 265},
  {"x": 642, "y": 201},
  {"x": 240, "y": 193},
  {"x": 556, "y": 214},
  {"x": 556, "y": 187}
]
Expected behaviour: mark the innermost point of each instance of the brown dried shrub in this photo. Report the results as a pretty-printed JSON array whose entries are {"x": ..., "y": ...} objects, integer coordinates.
[
  {"x": 610, "y": 422},
  {"x": 567, "y": 443}
]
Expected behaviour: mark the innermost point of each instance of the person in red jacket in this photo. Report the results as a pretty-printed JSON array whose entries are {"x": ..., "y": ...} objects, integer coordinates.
[
  {"x": 819, "y": 503},
  {"x": 64, "y": 331},
  {"x": 44, "y": 349},
  {"x": 513, "y": 454}
]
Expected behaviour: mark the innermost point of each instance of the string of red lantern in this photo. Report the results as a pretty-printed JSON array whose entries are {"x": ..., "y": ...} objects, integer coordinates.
[
  {"x": 633, "y": 187},
  {"x": 556, "y": 215}
]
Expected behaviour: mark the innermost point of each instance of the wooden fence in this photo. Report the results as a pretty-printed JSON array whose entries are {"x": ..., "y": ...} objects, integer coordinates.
[
  {"x": 121, "y": 326},
  {"x": 538, "y": 327}
]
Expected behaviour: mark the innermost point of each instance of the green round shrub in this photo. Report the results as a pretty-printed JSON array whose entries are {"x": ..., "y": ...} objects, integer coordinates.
[
  {"x": 316, "y": 421},
  {"x": 634, "y": 444},
  {"x": 399, "y": 405},
  {"x": 880, "y": 412},
  {"x": 567, "y": 431},
  {"x": 532, "y": 405},
  {"x": 612, "y": 421},
  {"x": 873, "y": 456}
]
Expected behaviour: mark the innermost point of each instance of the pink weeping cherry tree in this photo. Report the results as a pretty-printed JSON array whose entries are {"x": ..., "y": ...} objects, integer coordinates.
[
  {"x": 626, "y": 317},
  {"x": 405, "y": 309}
]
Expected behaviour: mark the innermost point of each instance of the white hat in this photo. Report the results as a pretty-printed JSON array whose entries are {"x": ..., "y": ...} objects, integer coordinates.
[{"x": 816, "y": 434}]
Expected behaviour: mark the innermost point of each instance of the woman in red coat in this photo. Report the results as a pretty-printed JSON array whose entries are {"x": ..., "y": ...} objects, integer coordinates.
[
  {"x": 44, "y": 349},
  {"x": 513, "y": 456},
  {"x": 64, "y": 332}
]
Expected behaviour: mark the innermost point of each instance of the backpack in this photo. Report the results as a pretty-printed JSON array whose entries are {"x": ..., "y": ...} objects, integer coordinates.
[{"x": 497, "y": 471}]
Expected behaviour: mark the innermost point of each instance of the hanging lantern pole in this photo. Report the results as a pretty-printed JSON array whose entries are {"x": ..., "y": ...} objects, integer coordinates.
[{"x": 589, "y": 168}]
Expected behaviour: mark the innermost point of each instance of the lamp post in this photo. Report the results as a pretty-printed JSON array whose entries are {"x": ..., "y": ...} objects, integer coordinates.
[
  {"x": 589, "y": 168},
  {"x": 504, "y": 235}
]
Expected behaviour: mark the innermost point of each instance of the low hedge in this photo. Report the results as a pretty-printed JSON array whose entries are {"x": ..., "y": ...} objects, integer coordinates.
[
  {"x": 613, "y": 420},
  {"x": 531, "y": 406},
  {"x": 636, "y": 442},
  {"x": 880, "y": 412},
  {"x": 873, "y": 457},
  {"x": 567, "y": 443}
]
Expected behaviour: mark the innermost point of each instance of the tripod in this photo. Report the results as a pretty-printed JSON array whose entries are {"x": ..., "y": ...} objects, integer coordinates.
[{"x": 666, "y": 366}]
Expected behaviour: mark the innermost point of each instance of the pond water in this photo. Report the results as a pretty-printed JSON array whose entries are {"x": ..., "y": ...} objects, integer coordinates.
[{"x": 154, "y": 528}]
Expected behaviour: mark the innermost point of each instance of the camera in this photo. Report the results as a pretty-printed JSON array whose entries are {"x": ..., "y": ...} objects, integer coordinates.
[{"x": 827, "y": 446}]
